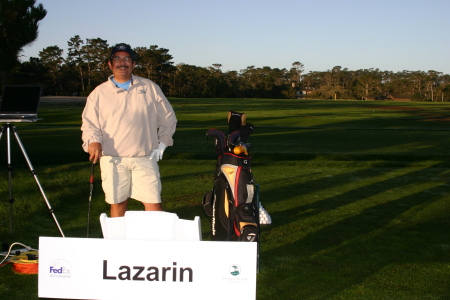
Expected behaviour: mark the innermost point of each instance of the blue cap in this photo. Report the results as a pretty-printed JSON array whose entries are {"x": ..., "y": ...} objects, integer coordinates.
[{"x": 122, "y": 47}]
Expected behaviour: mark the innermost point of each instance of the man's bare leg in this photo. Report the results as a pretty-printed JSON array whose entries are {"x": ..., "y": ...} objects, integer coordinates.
[
  {"x": 152, "y": 206},
  {"x": 119, "y": 209}
]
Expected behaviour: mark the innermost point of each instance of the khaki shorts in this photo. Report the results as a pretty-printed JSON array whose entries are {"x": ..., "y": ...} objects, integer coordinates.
[{"x": 130, "y": 177}]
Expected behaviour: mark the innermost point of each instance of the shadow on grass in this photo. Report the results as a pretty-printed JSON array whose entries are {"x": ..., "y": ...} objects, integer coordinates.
[
  {"x": 67, "y": 190},
  {"x": 351, "y": 196},
  {"x": 333, "y": 236},
  {"x": 344, "y": 249}
]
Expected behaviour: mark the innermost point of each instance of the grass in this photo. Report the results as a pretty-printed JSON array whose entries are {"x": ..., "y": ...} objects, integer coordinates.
[{"x": 357, "y": 191}]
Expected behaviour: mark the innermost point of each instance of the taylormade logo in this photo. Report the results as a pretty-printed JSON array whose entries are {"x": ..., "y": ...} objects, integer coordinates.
[
  {"x": 213, "y": 221},
  {"x": 251, "y": 237},
  {"x": 141, "y": 273}
]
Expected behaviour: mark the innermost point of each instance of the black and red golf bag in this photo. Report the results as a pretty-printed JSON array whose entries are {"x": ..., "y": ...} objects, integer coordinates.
[{"x": 232, "y": 204}]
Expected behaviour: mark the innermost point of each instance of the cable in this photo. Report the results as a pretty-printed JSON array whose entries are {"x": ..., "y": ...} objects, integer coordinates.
[
  {"x": 10, "y": 248},
  {"x": 8, "y": 262}
]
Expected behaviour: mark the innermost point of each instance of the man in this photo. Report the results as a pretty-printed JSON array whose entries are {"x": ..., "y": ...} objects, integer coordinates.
[{"x": 127, "y": 124}]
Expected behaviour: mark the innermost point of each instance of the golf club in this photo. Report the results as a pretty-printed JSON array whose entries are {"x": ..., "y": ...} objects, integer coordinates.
[{"x": 91, "y": 188}]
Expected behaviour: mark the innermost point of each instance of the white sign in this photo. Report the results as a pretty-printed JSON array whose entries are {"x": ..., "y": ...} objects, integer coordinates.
[{"x": 80, "y": 268}]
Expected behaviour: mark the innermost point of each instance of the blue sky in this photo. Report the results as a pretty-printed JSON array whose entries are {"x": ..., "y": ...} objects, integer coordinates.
[{"x": 392, "y": 35}]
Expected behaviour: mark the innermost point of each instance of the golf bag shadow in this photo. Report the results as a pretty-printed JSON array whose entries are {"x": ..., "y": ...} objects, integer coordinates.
[{"x": 232, "y": 203}]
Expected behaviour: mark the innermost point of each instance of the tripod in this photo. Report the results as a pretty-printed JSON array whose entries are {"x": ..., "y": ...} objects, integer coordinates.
[{"x": 8, "y": 127}]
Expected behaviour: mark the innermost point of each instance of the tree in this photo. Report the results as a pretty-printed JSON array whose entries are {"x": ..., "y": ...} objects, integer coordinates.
[
  {"x": 446, "y": 93},
  {"x": 18, "y": 27},
  {"x": 432, "y": 82},
  {"x": 232, "y": 81},
  {"x": 368, "y": 80},
  {"x": 29, "y": 72},
  {"x": 51, "y": 57},
  {"x": 155, "y": 63},
  {"x": 329, "y": 91},
  {"x": 217, "y": 85},
  {"x": 86, "y": 66},
  {"x": 95, "y": 55},
  {"x": 187, "y": 85},
  {"x": 75, "y": 58},
  {"x": 297, "y": 69}
]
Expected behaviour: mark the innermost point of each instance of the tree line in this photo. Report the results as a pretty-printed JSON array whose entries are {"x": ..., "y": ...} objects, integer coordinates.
[{"x": 84, "y": 66}]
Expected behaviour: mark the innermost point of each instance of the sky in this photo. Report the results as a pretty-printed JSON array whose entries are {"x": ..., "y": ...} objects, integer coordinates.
[{"x": 392, "y": 35}]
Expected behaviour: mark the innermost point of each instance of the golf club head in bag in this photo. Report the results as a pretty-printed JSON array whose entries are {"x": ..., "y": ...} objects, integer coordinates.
[
  {"x": 237, "y": 141},
  {"x": 246, "y": 130},
  {"x": 235, "y": 121},
  {"x": 234, "y": 144},
  {"x": 233, "y": 139},
  {"x": 219, "y": 136}
]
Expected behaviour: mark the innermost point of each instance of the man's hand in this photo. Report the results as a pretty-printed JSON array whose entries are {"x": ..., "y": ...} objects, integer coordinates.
[
  {"x": 158, "y": 153},
  {"x": 95, "y": 152}
]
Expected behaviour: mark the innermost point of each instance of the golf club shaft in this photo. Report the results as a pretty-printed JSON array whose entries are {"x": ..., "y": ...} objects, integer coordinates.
[{"x": 91, "y": 188}]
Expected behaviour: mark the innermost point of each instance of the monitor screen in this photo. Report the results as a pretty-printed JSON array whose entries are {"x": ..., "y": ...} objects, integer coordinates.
[{"x": 21, "y": 98}]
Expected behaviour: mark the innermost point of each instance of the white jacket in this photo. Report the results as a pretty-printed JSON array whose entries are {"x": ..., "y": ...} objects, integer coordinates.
[{"x": 128, "y": 123}]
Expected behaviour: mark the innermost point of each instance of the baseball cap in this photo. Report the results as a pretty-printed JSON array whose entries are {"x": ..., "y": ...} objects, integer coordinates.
[{"x": 122, "y": 47}]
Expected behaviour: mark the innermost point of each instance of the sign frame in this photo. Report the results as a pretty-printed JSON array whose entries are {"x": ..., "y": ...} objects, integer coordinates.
[{"x": 81, "y": 268}]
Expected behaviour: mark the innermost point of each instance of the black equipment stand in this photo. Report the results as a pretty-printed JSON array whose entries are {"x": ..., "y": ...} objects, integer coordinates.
[{"x": 8, "y": 127}]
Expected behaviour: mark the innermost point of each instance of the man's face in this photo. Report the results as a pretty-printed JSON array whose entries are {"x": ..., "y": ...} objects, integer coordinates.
[{"x": 122, "y": 66}]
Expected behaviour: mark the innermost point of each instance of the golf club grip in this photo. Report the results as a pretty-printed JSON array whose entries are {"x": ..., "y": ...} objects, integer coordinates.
[{"x": 91, "y": 179}]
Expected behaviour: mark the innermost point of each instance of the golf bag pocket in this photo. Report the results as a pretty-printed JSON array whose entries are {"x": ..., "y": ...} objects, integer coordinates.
[
  {"x": 222, "y": 211},
  {"x": 208, "y": 203},
  {"x": 246, "y": 228},
  {"x": 249, "y": 233}
]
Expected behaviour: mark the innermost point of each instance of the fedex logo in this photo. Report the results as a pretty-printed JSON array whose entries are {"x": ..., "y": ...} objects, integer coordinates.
[{"x": 61, "y": 270}]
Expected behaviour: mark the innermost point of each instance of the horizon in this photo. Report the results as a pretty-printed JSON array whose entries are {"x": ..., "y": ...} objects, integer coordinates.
[{"x": 396, "y": 36}]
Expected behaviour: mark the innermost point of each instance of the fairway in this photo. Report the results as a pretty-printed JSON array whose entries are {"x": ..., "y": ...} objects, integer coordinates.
[{"x": 358, "y": 192}]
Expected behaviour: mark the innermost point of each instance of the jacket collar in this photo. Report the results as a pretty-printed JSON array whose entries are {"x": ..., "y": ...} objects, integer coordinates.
[{"x": 134, "y": 80}]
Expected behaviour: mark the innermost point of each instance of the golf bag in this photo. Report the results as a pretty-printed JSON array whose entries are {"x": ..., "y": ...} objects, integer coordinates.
[{"x": 232, "y": 203}]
